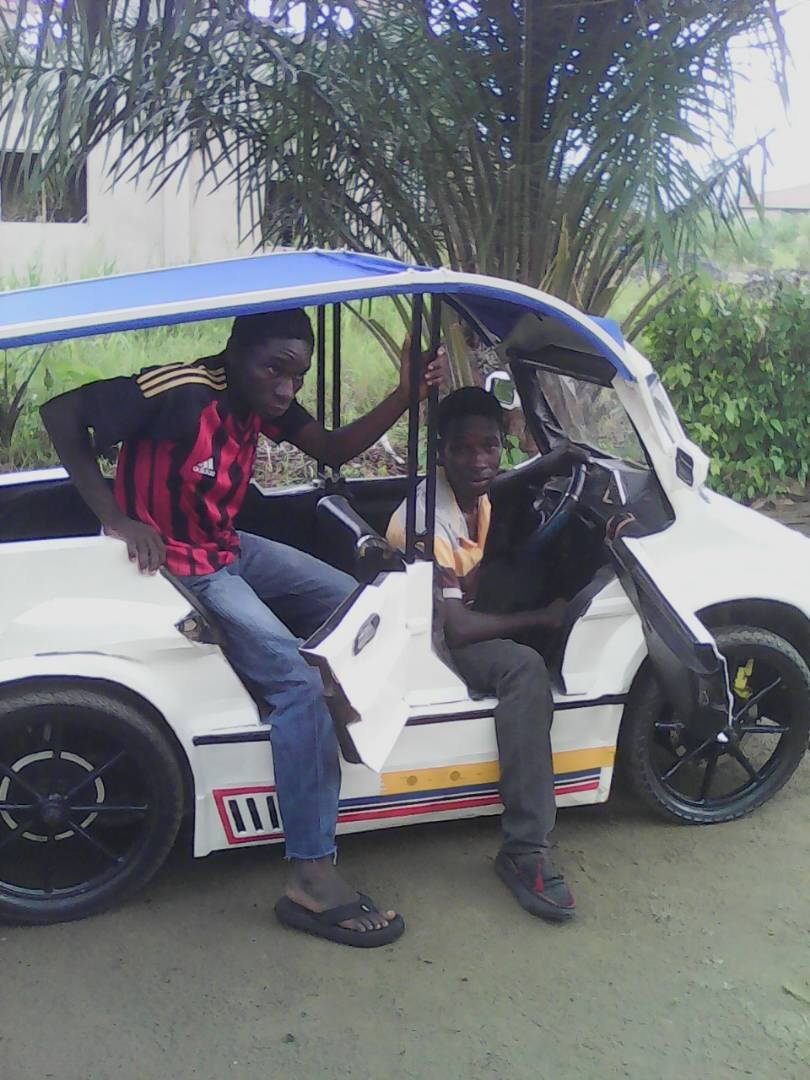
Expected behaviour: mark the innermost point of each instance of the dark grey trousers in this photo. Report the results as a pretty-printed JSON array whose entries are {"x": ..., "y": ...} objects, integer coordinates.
[{"x": 518, "y": 676}]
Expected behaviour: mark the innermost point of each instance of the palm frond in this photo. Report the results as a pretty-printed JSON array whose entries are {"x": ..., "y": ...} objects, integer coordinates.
[{"x": 560, "y": 143}]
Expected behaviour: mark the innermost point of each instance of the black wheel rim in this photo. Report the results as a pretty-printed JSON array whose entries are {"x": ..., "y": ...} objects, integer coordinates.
[
  {"x": 77, "y": 804},
  {"x": 701, "y": 772}
]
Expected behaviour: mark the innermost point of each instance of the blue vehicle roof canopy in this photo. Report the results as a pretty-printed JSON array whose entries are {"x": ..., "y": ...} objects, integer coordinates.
[{"x": 291, "y": 279}]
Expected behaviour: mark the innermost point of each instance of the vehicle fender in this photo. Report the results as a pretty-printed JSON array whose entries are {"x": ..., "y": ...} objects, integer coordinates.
[
  {"x": 731, "y": 555},
  {"x": 164, "y": 696}
]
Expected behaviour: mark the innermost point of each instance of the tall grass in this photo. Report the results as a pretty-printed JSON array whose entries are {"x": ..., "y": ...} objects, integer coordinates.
[{"x": 368, "y": 374}]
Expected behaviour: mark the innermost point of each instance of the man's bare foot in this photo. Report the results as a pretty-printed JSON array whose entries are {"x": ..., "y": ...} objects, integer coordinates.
[{"x": 316, "y": 885}]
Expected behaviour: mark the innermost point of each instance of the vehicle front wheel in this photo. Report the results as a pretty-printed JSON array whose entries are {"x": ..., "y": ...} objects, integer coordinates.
[
  {"x": 684, "y": 773},
  {"x": 91, "y": 797}
]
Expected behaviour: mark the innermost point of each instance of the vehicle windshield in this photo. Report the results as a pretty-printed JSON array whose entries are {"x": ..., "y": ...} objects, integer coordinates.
[{"x": 589, "y": 414}]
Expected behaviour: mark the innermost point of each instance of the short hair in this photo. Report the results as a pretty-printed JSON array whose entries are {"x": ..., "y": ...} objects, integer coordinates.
[
  {"x": 469, "y": 401},
  {"x": 250, "y": 330}
]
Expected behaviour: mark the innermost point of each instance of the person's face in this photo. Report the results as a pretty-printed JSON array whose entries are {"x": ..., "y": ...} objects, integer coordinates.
[
  {"x": 471, "y": 453},
  {"x": 267, "y": 376}
]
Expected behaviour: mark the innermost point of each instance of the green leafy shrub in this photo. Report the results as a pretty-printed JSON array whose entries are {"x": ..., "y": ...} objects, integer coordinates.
[{"x": 736, "y": 362}]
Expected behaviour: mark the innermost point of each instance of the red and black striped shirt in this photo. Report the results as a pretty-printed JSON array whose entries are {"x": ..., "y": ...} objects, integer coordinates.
[{"x": 186, "y": 457}]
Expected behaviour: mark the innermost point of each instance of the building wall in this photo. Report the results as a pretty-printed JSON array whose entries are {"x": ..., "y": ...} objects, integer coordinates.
[{"x": 126, "y": 229}]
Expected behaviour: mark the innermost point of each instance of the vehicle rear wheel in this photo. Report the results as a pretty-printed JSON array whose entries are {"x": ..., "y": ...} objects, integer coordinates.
[
  {"x": 684, "y": 773},
  {"x": 91, "y": 797}
]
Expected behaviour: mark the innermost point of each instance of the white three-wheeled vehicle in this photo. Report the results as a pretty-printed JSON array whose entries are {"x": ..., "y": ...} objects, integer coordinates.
[{"x": 685, "y": 650}]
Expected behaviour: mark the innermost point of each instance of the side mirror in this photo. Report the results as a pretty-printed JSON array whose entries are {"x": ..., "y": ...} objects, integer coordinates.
[{"x": 500, "y": 384}]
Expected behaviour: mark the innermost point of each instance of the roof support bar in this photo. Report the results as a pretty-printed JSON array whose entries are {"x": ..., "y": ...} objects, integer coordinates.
[
  {"x": 320, "y": 388},
  {"x": 432, "y": 430},
  {"x": 413, "y": 427},
  {"x": 414, "y": 537},
  {"x": 336, "y": 372}
]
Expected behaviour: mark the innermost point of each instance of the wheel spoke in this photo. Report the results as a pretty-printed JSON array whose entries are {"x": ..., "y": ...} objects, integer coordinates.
[
  {"x": 708, "y": 776},
  {"x": 15, "y": 834},
  {"x": 93, "y": 842},
  {"x": 15, "y": 778},
  {"x": 17, "y": 806},
  {"x": 94, "y": 775},
  {"x": 685, "y": 758},
  {"x": 740, "y": 757},
  {"x": 109, "y": 808},
  {"x": 763, "y": 729},
  {"x": 760, "y": 694}
]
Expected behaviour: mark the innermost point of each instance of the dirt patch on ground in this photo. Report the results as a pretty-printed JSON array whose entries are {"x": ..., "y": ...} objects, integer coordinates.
[{"x": 689, "y": 957}]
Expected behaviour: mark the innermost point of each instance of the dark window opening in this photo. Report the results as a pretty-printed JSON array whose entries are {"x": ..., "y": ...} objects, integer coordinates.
[{"x": 65, "y": 201}]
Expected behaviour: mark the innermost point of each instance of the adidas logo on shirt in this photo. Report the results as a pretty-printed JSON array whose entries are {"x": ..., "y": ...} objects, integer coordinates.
[{"x": 205, "y": 468}]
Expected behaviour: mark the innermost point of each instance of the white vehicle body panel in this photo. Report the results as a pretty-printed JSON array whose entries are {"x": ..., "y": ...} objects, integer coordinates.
[{"x": 76, "y": 608}]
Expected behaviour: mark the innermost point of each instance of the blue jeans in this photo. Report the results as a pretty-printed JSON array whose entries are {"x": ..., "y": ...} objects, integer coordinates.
[{"x": 267, "y": 596}]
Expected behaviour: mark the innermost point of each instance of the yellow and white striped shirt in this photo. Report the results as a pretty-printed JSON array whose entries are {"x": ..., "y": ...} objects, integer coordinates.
[{"x": 457, "y": 556}]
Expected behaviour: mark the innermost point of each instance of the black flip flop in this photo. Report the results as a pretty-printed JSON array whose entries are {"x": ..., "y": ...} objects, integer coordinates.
[{"x": 325, "y": 923}]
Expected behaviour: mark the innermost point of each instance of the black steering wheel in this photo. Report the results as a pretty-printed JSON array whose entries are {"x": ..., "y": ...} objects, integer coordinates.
[{"x": 547, "y": 522}]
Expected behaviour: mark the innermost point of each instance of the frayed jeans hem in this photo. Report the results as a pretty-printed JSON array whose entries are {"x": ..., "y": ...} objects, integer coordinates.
[{"x": 292, "y": 856}]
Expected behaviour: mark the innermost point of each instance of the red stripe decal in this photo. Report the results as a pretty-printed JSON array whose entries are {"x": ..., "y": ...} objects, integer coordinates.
[
  {"x": 589, "y": 785},
  {"x": 347, "y": 816},
  {"x": 412, "y": 811}
]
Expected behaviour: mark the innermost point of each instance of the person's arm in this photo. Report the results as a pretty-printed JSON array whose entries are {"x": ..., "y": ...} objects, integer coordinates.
[
  {"x": 561, "y": 459},
  {"x": 67, "y": 420},
  {"x": 463, "y": 626},
  {"x": 344, "y": 443}
]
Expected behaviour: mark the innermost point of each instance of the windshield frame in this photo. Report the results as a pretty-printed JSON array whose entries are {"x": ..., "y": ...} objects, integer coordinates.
[{"x": 547, "y": 429}]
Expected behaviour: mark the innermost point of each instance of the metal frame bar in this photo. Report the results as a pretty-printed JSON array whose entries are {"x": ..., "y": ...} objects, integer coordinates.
[
  {"x": 413, "y": 427},
  {"x": 336, "y": 365},
  {"x": 320, "y": 390},
  {"x": 320, "y": 386},
  {"x": 432, "y": 431}
]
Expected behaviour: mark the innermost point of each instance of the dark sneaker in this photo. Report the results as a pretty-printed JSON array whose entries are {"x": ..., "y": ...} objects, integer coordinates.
[{"x": 537, "y": 886}]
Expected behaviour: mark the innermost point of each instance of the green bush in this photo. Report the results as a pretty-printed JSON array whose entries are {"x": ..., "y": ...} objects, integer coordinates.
[{"x": 736, "y": 362}]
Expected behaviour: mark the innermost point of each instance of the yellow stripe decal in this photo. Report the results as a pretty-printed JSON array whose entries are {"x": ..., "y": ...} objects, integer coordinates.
[
  {"x": 487, "y": 772},
  {"x": 169, "y": 372},
  {"x": 184, "y": 380}
]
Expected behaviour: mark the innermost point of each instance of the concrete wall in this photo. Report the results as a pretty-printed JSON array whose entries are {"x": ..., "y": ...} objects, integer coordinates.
[{"x": 126, "y": 230}]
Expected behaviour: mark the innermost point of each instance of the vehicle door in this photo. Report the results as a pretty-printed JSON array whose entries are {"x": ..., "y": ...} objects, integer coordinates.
[
  {"x": 683, "y": 653},
  {"x": 376, "y": 653},
  {"x": 583, "y": 406},
  {"x": 377, "y": 661}
]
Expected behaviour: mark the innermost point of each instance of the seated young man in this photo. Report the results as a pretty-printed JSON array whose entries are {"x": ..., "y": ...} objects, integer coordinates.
[
  {"x": 189, "y": 434},
  {"x": 482, "y": 645}
]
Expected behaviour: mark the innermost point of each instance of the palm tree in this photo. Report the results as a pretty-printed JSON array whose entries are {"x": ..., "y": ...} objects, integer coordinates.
[{"x": 558, "y": 143}]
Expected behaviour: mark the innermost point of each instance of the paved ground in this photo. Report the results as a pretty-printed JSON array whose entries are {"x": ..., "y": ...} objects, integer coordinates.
[{"x": 689, "y": 958}]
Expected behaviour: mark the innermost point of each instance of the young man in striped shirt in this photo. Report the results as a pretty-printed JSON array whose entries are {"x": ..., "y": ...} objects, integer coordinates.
[
  {"x": 188, "y": 435},
  {"x": 483, "y": 644}
]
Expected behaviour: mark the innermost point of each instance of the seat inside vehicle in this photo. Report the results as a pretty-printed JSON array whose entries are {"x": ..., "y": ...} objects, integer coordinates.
[
  {"x": 44, "y": 510},
  {"x": 49, "y": 509}
]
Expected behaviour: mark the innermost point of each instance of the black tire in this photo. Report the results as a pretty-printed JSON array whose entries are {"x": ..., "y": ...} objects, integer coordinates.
[
  {"x": 653, "y": 741},
  {"x": 91, "y": 797}
]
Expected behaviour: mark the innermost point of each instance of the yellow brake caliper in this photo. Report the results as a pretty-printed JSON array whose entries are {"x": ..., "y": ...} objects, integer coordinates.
[{"x": 741, "y": 688}]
